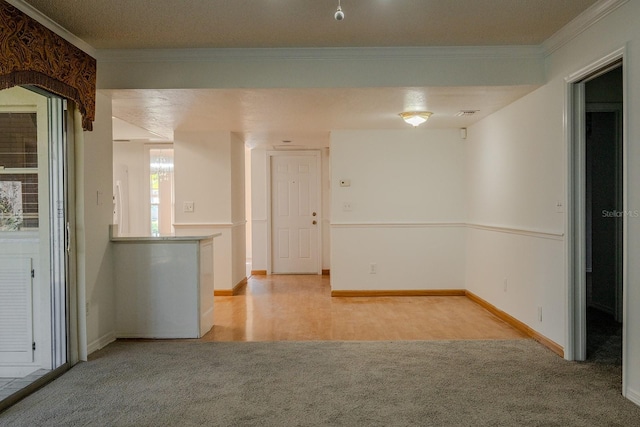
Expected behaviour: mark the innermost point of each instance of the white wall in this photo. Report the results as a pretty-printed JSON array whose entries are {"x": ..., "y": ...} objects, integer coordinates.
[
  {"x": 516, "y": 164},
  {"x": 94, "y": 171},
  {"x": 203, "y": 176},
  {"x": 326, "y": 208},
  {"x": 407, "y": 199},
  {"x": 209, "y": 171},
  {"x": 238, "y": 210},
  {"x": 133, "y": 157},
  {"x": 247, "y": 198},
  {"x": 259, "y": 207},
  {"x": 517, "y": 171},
  {"x": 516, "y": 167}
]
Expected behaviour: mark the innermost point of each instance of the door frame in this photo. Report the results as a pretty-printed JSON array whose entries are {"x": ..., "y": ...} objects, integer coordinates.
[
  {"x": 61, "y": 344},
  {"x": 59, "y": 228},
  {"x": 575, "y": 242},
  {"x": 60, "y": 181},
  {"x": 318, "y": 155}
]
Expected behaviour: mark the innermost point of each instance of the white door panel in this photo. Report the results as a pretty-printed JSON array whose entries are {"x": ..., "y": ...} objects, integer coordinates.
[
  {"x": 16, "y": 313},
  {"x": 293, "y": 213}
]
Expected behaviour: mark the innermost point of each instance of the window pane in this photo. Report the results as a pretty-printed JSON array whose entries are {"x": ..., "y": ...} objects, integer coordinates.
[
  {"x": 18, "y": 187},
  {"x": 18, "y": 140},
  {"x": 161, "y": 190}
]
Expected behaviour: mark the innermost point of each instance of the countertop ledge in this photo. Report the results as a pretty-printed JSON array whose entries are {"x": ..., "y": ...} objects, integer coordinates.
[{"x": 164, "y": 239}]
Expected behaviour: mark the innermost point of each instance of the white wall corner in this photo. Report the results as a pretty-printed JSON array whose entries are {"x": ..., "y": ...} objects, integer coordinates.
[
  {"x": 101, "y": 342},
  {"x": 633, "y": 396},
  {"x": 579, "y": 24}
]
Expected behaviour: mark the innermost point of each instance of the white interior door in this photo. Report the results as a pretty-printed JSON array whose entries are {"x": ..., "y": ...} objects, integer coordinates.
[{"x": 295, "y": 219}]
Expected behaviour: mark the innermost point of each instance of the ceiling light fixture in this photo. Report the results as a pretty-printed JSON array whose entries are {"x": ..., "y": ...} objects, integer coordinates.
[
  {"x": 339, "y": 15},
  {"x": 415, "y": 118}
]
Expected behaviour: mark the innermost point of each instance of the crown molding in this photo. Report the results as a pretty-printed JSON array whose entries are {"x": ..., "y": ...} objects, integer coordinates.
[
  {"x": 34, "y": 13},
  {"x": 579, "y": 24},
  {"x": 279, "y": 54}
]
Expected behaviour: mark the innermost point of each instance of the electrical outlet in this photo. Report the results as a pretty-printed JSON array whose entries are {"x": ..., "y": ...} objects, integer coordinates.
[
  {"x": 373, "y": 268},
  {"x": 188, "y": 207},
  {"x": 346, "y": 207}
]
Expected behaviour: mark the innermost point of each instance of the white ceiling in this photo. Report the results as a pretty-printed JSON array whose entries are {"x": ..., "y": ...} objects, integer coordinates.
[
  {"x": 265, "y": 117},
  {"x": 136, "y": 24}
]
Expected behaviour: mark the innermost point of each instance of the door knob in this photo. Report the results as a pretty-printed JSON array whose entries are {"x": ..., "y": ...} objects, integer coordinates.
[
  {"x": 314, "y": 222},
  {"x": 314, "y": 214}
]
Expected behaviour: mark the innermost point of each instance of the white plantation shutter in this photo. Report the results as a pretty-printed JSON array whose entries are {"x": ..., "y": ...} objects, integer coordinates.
[{"x": 16, "y": 317}]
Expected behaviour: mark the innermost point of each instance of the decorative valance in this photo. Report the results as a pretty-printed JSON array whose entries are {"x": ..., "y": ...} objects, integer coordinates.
[{"x": 31, "y": 54}]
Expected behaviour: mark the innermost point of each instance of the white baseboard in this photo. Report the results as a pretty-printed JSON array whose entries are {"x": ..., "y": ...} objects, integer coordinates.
[
  {"x": 633, "y": 396},
  {"x": 101, "y": 342},
  {"x": 157, "y": 336},
  {"x": 206, "y": 321}
]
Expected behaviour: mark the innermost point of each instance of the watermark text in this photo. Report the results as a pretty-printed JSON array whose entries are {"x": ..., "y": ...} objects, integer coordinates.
[{"x": 620, "y": 214}]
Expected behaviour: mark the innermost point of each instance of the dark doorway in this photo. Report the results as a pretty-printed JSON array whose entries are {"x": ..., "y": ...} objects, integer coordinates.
[{"x": 604, "y": 216}]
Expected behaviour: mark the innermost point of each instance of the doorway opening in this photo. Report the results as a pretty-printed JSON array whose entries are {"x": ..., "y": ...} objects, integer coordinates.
[
  {"x": 143, "y": 188},
  {"x": 597, "y": 214},
  {"x": 604, "y": 213},
  {"x": 161, "y": 193}
]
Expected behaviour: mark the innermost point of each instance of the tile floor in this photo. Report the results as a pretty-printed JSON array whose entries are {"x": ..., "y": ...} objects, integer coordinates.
[{"x": 9, "y": 386}]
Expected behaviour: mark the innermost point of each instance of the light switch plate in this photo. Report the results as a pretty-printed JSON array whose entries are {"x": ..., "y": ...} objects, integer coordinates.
[{"x": 188, "y": 207}]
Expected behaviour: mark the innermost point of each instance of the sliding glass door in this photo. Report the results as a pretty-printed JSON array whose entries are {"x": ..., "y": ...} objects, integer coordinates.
[{"x": 34, "y": 235}]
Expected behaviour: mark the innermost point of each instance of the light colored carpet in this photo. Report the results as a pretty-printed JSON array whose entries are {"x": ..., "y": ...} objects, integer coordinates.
[{"x": 437, "y": 383}]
